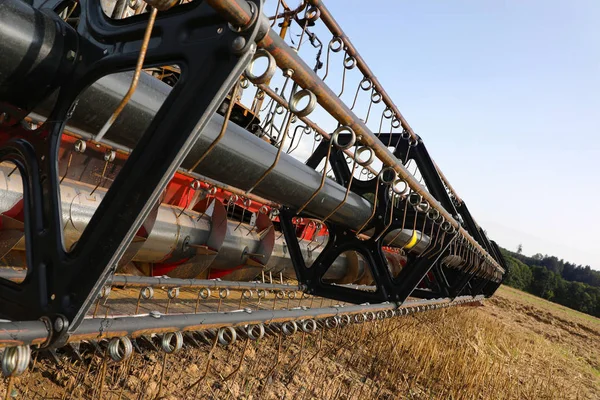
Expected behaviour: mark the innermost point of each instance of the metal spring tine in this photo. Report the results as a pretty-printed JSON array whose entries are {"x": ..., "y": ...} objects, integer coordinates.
[
  {"x": 208, "y": 361},
  {"x": 101, "y": 176},
  {"x": 290, "y": 150},
  {"x": 356, "y": 95},
  {"x": 431, "y": 248},
  {"x": 327, "y": 59},
  {"x": 452, "y": 239},
  {"x": 189, "y": 189},
  {"x": 370, "y": 105},
  {"x": 403, "y": 223},
  {"x": 380, "y": 124},
  {"x": 323, "y": 177},
  {"x": 372, "y": 212},
  {"x": 303, "y": 31},
  {"x": 283, "y": 128},
  {"x": 223, "y": 127},
  {"x": 237, "y": 368},
  {"x": 279, "y": 150},
  {"x": 134, "y": 80},
  {"x": 269, "y": 103},
  {"x": 422, "y": 229},
  {"x": 257, "y": 100},
  {"x": 276, "y": 14},
  {"x": 320, "y": 134},
  {"x": 443, "y": 238},
  {"x": 343, "y": 78},
  {"x": 277, "y": 358},
  {"x": 346, "y": 194},
  {"x": 68, "y": 164},
  {"x": 391, "y": 217},
  {"x": 246, "y": 202},
  {"x": 389, "y": 143}
]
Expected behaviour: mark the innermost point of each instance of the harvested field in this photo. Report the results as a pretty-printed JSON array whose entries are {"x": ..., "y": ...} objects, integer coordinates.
[{"x": 514, "y": 346}]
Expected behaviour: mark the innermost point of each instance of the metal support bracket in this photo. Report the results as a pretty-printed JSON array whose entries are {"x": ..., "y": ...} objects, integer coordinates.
[{"x": 66, "y": 283}]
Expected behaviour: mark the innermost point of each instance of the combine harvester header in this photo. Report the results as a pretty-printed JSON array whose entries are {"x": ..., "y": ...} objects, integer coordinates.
[{"x": 166, "y": 145}]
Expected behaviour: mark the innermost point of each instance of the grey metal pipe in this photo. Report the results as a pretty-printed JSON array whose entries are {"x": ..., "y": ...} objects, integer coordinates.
[{"x": 239, "y": 159}]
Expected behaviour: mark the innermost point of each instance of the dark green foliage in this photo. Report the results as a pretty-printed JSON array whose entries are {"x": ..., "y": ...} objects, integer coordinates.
[{"x": 548, "y": 277}]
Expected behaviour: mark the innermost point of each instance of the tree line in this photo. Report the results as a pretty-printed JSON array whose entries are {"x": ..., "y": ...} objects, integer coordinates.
[{"x": 565, "y": 283}]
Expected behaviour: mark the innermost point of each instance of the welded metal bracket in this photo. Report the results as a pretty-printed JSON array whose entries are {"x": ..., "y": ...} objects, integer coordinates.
[
  {"x": 61, "y": 284},
  {"x": 423, "y": 276}
]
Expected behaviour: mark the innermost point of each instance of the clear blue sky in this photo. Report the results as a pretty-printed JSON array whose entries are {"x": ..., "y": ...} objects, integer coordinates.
[{"x": 506, "y": 95}]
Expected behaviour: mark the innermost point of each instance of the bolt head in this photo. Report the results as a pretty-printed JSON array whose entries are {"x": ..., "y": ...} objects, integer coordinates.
[
  {"x": 238, "y": 43},
  {"x": 59, "y": 324}
]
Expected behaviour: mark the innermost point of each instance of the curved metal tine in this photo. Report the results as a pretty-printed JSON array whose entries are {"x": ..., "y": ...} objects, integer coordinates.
[
  {"x": 106, "y": 162},
  {"x": 323, "y": 177},
  {"x": 189, "y": 190},
  {"x": 303, "y": 30},
  {"x": 391, "y": 132},
  {"x": 68, "y": 164},
  {"x": 343, "y": 78},
  {"x": 422, "y": 230},
  {"x": 290, "y": 149},
  {"x": 403, "y": 223},
  {"x": 370, "y": 105},
  {"x": 464, "y": 263},
  {"x": 321, "y": 243},
  {"x": 391, "y": 216},
  {"x": 134, "y": 80},
  {"x": 282, "y": 128},
  {"x": 356, "y": 96},
  {"x": 277, "y": 358},
  {"x": 237, "y": 368},
  {"x": 347, "y": 191},
  {"x": 223, "y": 127},
  {"x": 407, "y": 159},
  {"x": 327, "y": 60},
  {"x": 256, "y": 101},
  {"x": 269, "y": 104},
  {"x": 314, "y": 234},
  {"x": 380, "y": 124},
  {"x": 276, "y": 14},
  {"x": 431, "y": 248},
  {"x": 374, "y": 208},
  {"x": 278, "y": 107},
  {"x": 441, "y": 246},
  {"x": 246, "y": 202},
  {"x": 205, "y": 373},
  {"x": 280, "y": 149}
]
